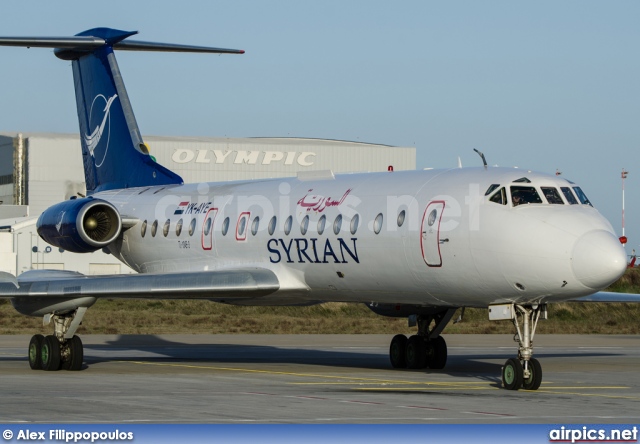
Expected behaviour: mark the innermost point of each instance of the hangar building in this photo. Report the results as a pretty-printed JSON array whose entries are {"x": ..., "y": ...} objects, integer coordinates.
[{"x": 39, "y": 170}]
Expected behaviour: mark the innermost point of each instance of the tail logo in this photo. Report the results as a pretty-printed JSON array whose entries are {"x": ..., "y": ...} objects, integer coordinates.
[
  {"x": 93, "y": 140},
  {"x": 59, "y": 224}
]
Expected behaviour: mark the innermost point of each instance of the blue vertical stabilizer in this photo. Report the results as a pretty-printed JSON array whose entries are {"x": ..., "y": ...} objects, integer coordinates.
[{"x": 113, "y": 152}]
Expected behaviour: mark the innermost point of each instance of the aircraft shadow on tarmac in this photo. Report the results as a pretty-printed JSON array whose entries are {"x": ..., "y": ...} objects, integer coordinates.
[
  {"x": 157, "y": 349},
  {"x": 154, "y": 349}
]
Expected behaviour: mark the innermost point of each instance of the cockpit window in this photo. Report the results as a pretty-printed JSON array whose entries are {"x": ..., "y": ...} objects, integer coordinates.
[
  {"x": 524, "y": 195},
  {"x": 569, "y": 195},
  {"x": 522, "y": 180},
  {"x": 491, "y": 188},
  {"x": 581, "y": 196},
  {"x": 499, "y": 197},
  {"x": 552, "y": 195}
]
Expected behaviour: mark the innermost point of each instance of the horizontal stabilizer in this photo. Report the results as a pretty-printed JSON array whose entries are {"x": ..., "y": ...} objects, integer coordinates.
[
  {"x": 85, "y": 42},
  {"x": 134, "y": 45},
  {"x": 69, "y": 48}
]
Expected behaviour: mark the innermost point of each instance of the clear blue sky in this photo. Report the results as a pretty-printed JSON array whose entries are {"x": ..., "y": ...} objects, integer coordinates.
[{"x": 541, "y": 85}]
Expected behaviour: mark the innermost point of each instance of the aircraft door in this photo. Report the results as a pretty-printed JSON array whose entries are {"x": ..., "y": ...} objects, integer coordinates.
[
  {"x": 207, "y": 229},
  {"x": 430, "y": 233}
]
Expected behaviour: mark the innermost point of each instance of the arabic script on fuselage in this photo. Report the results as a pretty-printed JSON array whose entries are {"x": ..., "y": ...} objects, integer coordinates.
[{"x": 320, "y": 203}]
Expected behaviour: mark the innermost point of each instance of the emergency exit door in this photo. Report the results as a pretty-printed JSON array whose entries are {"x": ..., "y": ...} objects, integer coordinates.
[{"x": 430, "y": 233}]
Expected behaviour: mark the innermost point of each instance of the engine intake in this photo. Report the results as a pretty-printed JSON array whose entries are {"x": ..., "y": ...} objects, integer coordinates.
[{"x": 80, "y": 225}]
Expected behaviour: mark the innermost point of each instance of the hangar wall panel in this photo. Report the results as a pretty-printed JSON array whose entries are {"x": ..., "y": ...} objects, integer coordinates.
[{"x": 6, "y": 155}]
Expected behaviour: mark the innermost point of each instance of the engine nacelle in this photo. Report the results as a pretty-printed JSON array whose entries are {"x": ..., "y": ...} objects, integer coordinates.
[{"x": 80, "y": 225}]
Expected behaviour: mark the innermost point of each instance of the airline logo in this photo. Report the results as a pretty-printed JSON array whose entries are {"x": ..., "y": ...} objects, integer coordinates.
[
  {"x": 102, "y": 120},
  {"x": 59, "y": 224},
  {"x": 313, "y": 251},
  {"x": 320, "y": 203}
]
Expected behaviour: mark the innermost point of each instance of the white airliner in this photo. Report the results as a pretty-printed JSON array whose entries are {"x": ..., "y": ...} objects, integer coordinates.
[{"x": 418, "y": 244}]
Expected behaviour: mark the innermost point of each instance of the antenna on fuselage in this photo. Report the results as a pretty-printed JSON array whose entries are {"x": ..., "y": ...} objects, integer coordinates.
[{"x": 484, "y": 161}]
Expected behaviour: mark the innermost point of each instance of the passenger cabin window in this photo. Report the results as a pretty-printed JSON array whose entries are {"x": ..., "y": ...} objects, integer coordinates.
[
  {"x": 569, "y": 195},
  {"x": 401, "y": 217},
  {"x": 552, "y": 195},
  {"x": 337, "y": 224},
  {"x": 354, "y": 223},
  {"x": 225, "y": 226},
  {"x": 377, "y": 223},
  {"x": 524, "y": 195},
  {"x": 179, "y": 228},
  {"x": 154, "y": 228},
  {"x": 192, "y": 227},
  {"x": 581, "y": 196},
  {"x": 304, "y": 225},
  {"x": 499, "y": 197},
  {"x": 143, "y": 229},
  {"x": 321, "y": 223},
  {"x": 255, "y": 225},
  {"x": 287, "y": 225},
  {"x": 165, "y": 229},
  {"x": 207, "y": 226},
  {"x": 242, "y": 224},
  {"x": 272, "y": 225}
]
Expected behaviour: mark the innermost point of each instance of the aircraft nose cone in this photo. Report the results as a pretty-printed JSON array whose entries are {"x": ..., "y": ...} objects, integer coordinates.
[{"x": 598, "y": 259}]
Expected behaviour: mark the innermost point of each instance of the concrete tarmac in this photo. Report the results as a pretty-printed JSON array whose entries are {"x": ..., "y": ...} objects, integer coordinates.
[{"x": 319, "y": 379}]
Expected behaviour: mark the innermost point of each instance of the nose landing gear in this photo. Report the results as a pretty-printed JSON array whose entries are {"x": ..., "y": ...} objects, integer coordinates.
[{"x": 524, "y": 371}]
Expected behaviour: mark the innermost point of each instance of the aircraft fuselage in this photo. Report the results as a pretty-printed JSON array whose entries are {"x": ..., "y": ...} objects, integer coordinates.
[{"x": 427, "y": 238}]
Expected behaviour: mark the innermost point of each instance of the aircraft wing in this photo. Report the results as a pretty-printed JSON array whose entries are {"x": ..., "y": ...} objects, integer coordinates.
[
  {"x": 217, "y": 285},
  {"x": 609, "y": 296}
]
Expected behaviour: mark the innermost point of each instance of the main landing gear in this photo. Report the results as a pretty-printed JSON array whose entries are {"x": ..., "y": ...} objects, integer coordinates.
[
  {"x": 524, "y": 371},
  {"x": 62, "y": 350},
  {"x": 427, "y": 348}
]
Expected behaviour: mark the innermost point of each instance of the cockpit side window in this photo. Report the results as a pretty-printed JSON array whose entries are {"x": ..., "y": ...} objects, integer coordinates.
[
  {"x": 491, "y": 189},
  {"x": 499, "y": 197},
  {"x": 581, "y": 196},
  {"x": 552, "y": 195},
  {"x": 569, "y": 195},
  {"x": 524, "y": 195}
]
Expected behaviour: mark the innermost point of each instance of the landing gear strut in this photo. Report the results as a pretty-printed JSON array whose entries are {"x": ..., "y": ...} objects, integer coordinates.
[
  {"x": 62, "y": 349},
  {"x": 525, "y": 371},
  {"x": 425, "y": 349}
]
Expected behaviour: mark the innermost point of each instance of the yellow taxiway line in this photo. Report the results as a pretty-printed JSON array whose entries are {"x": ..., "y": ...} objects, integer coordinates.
[{"x": 399, "y": 385}]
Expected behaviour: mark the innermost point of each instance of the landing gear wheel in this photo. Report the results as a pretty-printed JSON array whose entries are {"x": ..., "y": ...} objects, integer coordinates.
[
  {"x": 75, "y": 354},
  {"x": 35, "y": 352},
  {"x": 438, "y": 359},
  {"x": 50, "y": 353},
  {"x": 535, "y": 376},
  {"x": 398, "y": 351},
  {"x": 416, "y": 352},
  {"x": 512, "y": 374}
]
